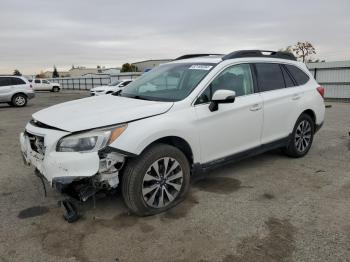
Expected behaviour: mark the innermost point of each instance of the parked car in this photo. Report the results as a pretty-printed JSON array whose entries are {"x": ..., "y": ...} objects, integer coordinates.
[
  {"x": 45, "y": 85},
  {"x": 15, "y": 90},
  {"x": 152, "y": 137},
  {"x": 109, "y": 89}
]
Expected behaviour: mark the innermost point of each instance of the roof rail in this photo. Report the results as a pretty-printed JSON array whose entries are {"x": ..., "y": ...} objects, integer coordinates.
[
  {"x": 259, "y": 53},
  {"x": 193, "y": 56}
]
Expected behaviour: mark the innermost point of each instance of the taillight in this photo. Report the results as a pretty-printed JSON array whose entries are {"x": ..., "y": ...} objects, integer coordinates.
[{"x": 320, "y": 89}]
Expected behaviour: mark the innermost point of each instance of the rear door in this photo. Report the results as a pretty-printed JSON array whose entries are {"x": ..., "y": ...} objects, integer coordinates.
[
  {"x": 5, "y": 88},
  {"x": 280, "y": 98}
]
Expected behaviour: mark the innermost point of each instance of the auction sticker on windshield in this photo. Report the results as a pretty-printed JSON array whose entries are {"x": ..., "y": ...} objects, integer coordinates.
[{"x": 201, "y": 67}]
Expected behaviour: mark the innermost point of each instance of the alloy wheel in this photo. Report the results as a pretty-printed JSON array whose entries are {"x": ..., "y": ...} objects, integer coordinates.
[
  {"x": 162, "y": 182},
  {"x": 303, "y": 136},
  {"x": 20, "y": 100}
]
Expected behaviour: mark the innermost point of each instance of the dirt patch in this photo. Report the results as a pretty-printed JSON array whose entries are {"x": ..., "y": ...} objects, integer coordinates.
[
  {"x": 344, "y": 191},
  {"x": 278, "y": 245},
  {"x": 182, "y": 209},
  {"x": 268, "y": 196},
  {"x": 64, "y": 243},
  {"x": 6, "y": 193},
  {"x": 33, "y": 212},
  {"x": 218, "y": 185},
  {"x": 145, "y": 228},
  {"x": 123, "y": 220}
]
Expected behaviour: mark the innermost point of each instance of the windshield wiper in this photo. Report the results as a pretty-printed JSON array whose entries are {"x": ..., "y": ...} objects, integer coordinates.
[
  {"x": 119, "y": 93},
  {"x": 139, "y": 97}
]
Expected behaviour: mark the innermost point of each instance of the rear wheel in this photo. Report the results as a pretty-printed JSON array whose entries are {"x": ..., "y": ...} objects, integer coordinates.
[
  {"x": 156, "y": 180},
  {"x": 302, "y": 137},
  {"x": 19, "y": 100}
]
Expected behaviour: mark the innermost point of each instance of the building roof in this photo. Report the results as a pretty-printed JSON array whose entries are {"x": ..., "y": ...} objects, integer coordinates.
[
  {"x": 335, "y": 64},
  {"x": 153, "y": 60}
]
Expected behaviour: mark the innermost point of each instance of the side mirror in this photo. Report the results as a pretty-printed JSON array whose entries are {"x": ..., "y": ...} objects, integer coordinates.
[{"x": 221, "y": 96}]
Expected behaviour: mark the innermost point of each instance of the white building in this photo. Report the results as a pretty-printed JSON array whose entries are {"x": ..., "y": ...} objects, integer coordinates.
[{"x": 143, "y": 66}]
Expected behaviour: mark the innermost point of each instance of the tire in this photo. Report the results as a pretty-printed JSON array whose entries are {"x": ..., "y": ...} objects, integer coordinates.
[
  {"x": 19, "y": 100},
  {"x": 301, "y": 137},
  {"x": 139, "y": 177},
  {"x": 55, "y": 89}
]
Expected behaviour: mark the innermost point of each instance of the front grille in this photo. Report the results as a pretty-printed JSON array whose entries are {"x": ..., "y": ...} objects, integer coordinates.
[{"x": 36, "y": 143}]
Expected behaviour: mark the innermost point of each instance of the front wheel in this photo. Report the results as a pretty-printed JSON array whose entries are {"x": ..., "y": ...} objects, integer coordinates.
[
  {"x": 301, "y": 137},
  {"x": 55, "y": 89},
  {"x": 156, "y": 180}
]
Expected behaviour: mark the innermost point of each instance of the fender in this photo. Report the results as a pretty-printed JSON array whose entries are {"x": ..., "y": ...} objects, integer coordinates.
[{"x": 140, "y": 134}]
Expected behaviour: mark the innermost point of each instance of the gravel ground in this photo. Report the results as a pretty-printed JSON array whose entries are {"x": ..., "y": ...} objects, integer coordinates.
[{"x": 266, "y": 208}]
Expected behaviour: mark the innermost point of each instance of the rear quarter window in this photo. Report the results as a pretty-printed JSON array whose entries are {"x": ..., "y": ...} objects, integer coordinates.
[
  {"x": 299, "y": 76},
  {"x": 17, "y": 81}
]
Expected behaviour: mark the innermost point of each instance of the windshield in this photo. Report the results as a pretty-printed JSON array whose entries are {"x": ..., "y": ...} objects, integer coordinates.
[
  {"x": 169, "y": 82},
  {"x": 114, "y": 83}
]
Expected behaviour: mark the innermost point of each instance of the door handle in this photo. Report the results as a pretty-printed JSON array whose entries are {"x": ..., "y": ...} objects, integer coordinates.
[
  {"x": 255, "y": 107},
  {"x": 296, "y": 97}
]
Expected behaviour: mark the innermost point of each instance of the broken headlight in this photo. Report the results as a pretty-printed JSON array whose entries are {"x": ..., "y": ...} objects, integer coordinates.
[{"x": 90, "y": 141}]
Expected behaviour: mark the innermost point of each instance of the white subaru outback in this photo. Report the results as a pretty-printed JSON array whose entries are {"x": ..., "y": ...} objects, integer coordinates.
[{"x": 183, "y": 117}]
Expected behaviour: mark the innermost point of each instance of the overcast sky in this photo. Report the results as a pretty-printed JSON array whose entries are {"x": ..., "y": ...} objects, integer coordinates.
[{"x": 37, "y": 34}]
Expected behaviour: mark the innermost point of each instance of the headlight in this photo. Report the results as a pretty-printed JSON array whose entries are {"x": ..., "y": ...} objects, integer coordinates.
[{"x": 90, "y": 141}]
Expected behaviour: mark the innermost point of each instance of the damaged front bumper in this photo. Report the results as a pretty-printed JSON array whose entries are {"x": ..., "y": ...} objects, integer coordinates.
[{"x": 79, "y": 175}]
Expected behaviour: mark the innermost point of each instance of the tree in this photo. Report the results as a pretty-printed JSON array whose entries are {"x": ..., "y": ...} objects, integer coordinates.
[
  {"x": 17, "y": 72},
  {"x": 128, "y": 68},
  {"x": 55, "y": 73},
  {"x": 288, "y": 49},
  {"x": 40, "y": 75},
  {"x": 304, "y": 50}
]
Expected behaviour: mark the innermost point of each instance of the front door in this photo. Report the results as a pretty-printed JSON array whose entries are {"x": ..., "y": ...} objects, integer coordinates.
[{"x": 234, "y": 127}]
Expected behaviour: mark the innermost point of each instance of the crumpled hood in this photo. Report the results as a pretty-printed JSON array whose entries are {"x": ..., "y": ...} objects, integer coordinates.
[{"x": 99, "y": 111}]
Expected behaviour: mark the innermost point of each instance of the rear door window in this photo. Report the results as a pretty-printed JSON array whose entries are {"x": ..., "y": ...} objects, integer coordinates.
[
  {"x": 37, "y": 81},
  {"x": 299, "y": 76},
  {"x": 5, "y": 81},
  {"x": 269, "y": 76}
]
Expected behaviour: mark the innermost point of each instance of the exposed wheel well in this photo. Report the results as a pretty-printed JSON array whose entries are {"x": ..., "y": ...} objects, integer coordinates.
[
  {"x": 177, "y": 142},
  {"x": 311, "y": 114}
]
